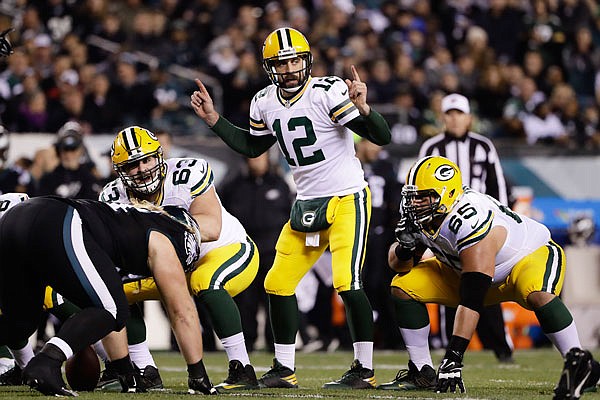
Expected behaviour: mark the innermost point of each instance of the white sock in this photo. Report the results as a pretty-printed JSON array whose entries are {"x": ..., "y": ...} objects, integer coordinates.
[
  {"x": 363, "y": 352},
  {"x": 565, "y": 339},
  {"x": 235, "y": 347},
  {"x": 417, "y": 345},
  {"x": 286, "y": 355},
  {"x": 22, "y": 356},
  {"x": 140, "y": 355},
  {"x": 99, "y": 349}
]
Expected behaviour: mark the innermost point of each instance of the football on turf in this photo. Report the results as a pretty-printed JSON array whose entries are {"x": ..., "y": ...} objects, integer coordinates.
[{"x": 83, "y": 370}]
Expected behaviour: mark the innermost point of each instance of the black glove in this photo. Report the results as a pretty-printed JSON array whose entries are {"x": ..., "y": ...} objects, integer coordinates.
[
  {"x": 201, "y": 385},
  {"x": 449, "y": 376},
  {"x": 131, "y": 382},
  {"x": 406, "y": 234}
]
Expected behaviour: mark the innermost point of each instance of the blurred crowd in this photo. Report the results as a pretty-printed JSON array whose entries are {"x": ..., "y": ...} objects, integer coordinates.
[{"x": 529, "y": 67}]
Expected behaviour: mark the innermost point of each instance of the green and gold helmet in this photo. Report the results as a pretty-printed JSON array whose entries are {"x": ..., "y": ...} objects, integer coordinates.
[
  {"x": 436, "y": 179},
  {"x": 284, "y": 44},
  {"x": 131, "y": 146}
]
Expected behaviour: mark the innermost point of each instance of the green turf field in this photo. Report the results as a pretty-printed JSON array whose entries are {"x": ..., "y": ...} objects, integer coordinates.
[{"x": 531, "y": 377}]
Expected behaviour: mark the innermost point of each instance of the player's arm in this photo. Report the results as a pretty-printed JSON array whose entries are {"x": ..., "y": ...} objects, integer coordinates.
[
  {"x": 171, "y": 282},
  {"x": 371, "y": 127},
  {"x": 237, "y": 138},
  {"x": 478, "y": 263},
  {"x": 369, "y": 124},
  {"x": 206, "y": 209}
]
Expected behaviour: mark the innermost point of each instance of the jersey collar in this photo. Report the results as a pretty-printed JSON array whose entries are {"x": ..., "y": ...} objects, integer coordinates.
[{"x": 287, "y": 103}]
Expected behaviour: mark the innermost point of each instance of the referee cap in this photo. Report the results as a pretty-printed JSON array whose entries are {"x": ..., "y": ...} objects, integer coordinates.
[{"x": 456, "y": 101}]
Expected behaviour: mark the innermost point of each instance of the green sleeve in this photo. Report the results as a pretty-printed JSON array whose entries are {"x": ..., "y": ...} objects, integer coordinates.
[
  {"x": 372, "y": 127},
  {"x": 240, "y": 139}
]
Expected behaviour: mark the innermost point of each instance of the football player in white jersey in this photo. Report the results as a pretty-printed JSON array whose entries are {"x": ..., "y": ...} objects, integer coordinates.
[
  {"x": 311, "y": 120},
  {"x": 228, "y": 257},
  {"x": 485, "y": 254}
]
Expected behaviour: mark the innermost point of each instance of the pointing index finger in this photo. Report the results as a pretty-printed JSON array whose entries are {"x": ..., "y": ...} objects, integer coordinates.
[{"x": 355, "y": 76}]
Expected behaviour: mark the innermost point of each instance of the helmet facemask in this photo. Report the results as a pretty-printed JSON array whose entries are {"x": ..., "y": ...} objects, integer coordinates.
[
  {"x": 146, "y": 181},
  {"x": 422, "y": 206},
  {"x": 278, "y": 78}
]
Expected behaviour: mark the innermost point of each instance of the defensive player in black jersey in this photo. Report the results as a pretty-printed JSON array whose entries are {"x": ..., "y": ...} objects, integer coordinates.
[{"x": 75, "y": 246}]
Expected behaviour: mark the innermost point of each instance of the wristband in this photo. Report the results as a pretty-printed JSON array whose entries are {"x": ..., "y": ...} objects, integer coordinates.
[{"x": 456, "y": 348}]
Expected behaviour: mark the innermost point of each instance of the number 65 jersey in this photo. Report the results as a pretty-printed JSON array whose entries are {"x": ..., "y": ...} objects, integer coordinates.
[
  {"x": 472, "y": 218},
  {"x": 310, "y": 133},
  {"x": 185, "y": 179}
]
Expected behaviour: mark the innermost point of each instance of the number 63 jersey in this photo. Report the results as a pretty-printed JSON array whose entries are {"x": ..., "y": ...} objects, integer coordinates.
[
  {"x": 472, "y": 218},
  {"x": 310, "y": 133},
  {"x": 185, "y": 179}
]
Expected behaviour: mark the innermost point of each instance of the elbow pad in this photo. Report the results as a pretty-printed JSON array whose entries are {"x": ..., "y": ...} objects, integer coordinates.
[{"x": 473, "y": 288}]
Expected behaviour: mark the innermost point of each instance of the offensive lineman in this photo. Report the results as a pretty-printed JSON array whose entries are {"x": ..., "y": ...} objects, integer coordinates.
[
  {"x": 228, "y": 257},
  {"x": 307, "y": 117},
  {"x": 485, "y": 253}
]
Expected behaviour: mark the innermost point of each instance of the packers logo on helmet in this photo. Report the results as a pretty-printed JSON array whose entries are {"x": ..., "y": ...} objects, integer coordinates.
[
  {"x": 432, "y": 187},
  {"x": 284, "y": 44},
  {"x": 133, "y": 147}
]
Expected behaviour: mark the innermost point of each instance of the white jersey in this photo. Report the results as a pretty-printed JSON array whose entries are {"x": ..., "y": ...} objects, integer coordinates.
[
  {"x": 9, "y": 200},
  {"x": 310, "y": 133},
  {"x": 472, "y": 218},
  {"x": 186, "y": 179}
]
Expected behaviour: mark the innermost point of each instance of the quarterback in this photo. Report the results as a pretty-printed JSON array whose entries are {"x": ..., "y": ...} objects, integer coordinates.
[
  {"x": 228, "y": 257},
  {"x": 311, "y": 119},
  {"x": 485, "y": 254}
]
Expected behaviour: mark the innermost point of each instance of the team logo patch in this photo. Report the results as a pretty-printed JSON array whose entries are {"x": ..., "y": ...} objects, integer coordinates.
[
  {"x": 308, "y": 218},
  {"x": 192, "y": 249},
  {"x": 444, "y": 172}
]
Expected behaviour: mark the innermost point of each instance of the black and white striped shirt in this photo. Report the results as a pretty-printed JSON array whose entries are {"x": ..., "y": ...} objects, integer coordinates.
[{"x": 477, "y": 159}]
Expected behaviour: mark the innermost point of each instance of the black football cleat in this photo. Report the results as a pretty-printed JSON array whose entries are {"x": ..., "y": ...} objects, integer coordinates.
[
  {"x": 412, "y": 379},
  {"x": 151, "y": 378},
  {"x": 44, "y": 375},
  {"x": 240, "y": 377},
  {"x": 278, "y": 377},
  {"x": 201, "y": 386},
  {"x": 357, "y": 377},
  {"x": 576, "y": 371},
  {"x": 109, "y": 379}
]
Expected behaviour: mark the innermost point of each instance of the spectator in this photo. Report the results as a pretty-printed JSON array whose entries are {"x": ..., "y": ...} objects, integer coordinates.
[
  {"x": 503, "y": 23},
  {"x": 491, "y": 95},
  {"x": 135, "y": 97},
  {"x": 32, "y": 115},
  {"x": 541, "y": 125},
  {"x": 101, "y": 107},
  {"x": 74, "y": 176},
  {"x": 581, "y": 61},
  {"x": 13, "y": 178},
  {"x": 520, "y": 105}
]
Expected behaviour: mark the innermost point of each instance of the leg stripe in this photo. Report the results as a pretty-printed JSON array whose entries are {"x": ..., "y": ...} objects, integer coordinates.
[
  {"x": 234, "y": 266},
  {"x": 360, "y": 234},
  {"x": 82, "y": 265},
  {"x": 553, "y": 267}
]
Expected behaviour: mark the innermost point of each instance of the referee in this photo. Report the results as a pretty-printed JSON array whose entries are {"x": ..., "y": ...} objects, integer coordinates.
[{"x": 478, "y": 161}]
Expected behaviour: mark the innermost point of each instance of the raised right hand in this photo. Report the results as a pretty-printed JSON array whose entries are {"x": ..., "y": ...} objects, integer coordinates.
[{"x": 203, "y": 105}]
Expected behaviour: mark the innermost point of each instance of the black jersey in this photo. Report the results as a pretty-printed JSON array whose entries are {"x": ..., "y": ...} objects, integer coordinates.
[{"x": 123, "y": 232}]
